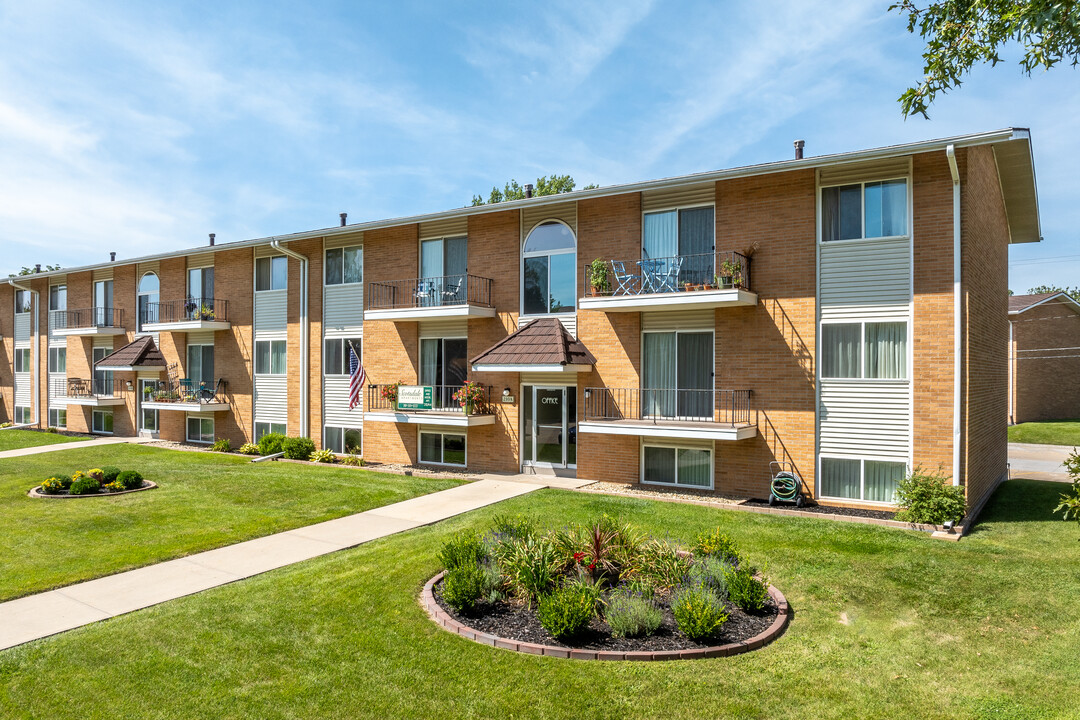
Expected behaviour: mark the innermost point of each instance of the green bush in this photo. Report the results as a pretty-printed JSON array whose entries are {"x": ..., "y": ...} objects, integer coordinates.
[
  {"x": 493, "y": 582},
  {"x": 631, "y": 614},
  {"x": 464, "y": 587},
  {"x": 323, "y": 456},
  {"x": 699, "y": 612},
  {"x": 298, "y": 448},
  {"x": 249, "y": 449},
  {"x": 1069, "y": 507},
  {"x": 52, "y": 486},
  {"x": 130, "y": 479},
  {"x": 530, "y": 566},
  {"x": 717, "y": 544},
  {"x": 353, "y": 461},
  {"x": 566, "y": 611},
  {"x": 110, "y": 473},
  {"x": 745, "y": 590},
  {"x": 115, "y": 486},
  {"x": 270, "y": 443},
  {"x": 515, "y": 526},
  {"x": 51, "y": 429},
  {"x": 711, "y": 571},
  {"x": 222, "y": 445},
  {"x": 84, "y": 486},
  {"x": 65, "y": 480},
  {"x": 662, "y": 563},
  {"x": 929, "y": 498},
  {"x": 463, "y": 549}
]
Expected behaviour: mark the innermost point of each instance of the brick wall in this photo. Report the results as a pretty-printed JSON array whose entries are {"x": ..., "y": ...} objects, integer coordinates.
[
  {"x": 1045, "y": 385},
  {"x": 7, "y": 349},
  {"x": 312, "y": 249},
  {"x": 80, "y": 296},
  {"x": 234, "y": 272}
]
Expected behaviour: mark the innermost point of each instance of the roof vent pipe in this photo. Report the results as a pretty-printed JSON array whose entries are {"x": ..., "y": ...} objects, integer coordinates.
[
  {"x": 37, "y": 268},
  {"x": 528, "y": 190},
  {"x": 112, "y": 257},
  {"x": 343, "y": 216},
  {"x": 799, "y": 145},
  {"x": 212, "y": 236}
]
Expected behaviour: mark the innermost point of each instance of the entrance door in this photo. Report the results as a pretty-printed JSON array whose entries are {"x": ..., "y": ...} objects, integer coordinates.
[
  {"x": 550, "y": 426},
  {"x": 148, "y": 419}
]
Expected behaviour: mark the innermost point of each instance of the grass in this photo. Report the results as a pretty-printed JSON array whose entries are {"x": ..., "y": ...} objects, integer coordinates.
[
  {"x": 1059, "y": 432},
  {"x": 887, "y": 623},
  {"x": 203, "y": 501},
  {"x": 18, "y": 439}
]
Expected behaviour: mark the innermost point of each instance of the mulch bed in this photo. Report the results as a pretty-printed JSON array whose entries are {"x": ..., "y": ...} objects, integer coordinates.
[
  {"x": 36, "y": 492},
  {"x": 520, "y": 623},
  {"x": 825, "y": 510}
]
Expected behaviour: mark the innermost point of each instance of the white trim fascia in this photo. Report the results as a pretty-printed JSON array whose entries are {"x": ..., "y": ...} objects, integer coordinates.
[
  {"x": 950, "y": 153},
  {"x": 526, "y": 368},
  {"x": 430, "y": 313},
  {"x": 90, "y": 331},
  {"x": 186, "y": 326},
  {"x": 702, "y": 432},
  {"x": 693, "y": 300},
  {"x": 453, "y": 420},
  {"x": 134, "y": 368},
  {"x": 93, "y": 401},
  {"x": 186, "y": 406}
]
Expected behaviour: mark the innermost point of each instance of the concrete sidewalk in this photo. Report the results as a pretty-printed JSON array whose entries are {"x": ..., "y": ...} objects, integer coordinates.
[
  {"x": 37, "y": 616},
  {"x": 96, "y": 442},
  {"x": 1038, "y": 462}
]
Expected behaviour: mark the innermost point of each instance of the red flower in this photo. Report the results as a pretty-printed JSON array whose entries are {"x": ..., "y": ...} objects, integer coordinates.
[
  {"x": 579, "y": 556},
  {"x": 592, "y": 566}
]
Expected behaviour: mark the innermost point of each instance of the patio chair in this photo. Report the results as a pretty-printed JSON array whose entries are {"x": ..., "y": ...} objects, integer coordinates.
[
  {"x": 451, "y": 293},
  {"x": 625, "y": 283},
  {"x": 425, "y": 293},
  {"x": 187, "y": 389},
  {"x": 669, "y": 274},
  {"x": 650, "y": 280}
]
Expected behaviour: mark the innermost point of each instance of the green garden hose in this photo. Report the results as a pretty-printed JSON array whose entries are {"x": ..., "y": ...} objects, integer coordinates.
[{"x": 785, "y": 486}]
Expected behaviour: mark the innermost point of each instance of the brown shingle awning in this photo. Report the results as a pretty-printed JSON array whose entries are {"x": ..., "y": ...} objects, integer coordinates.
[
  {"x": 139, "y": 354},
  {"x": 541, "y": 345}
]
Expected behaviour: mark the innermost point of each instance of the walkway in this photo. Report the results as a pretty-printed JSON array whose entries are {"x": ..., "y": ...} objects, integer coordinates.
[
  {"x": 37, "y": 616},
  {"x": 96, "y": 442},
  {"x": 1038, "y": 462}
]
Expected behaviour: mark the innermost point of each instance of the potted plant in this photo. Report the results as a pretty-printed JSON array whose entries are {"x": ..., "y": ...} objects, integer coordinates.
[
  {"x": 390, "y": 392},
  {"x": 598, "y": 277},
  {"x": 206, "y": 312},
  {"x": 469, "y": 395},
  {"x": 731, "y": 273}
]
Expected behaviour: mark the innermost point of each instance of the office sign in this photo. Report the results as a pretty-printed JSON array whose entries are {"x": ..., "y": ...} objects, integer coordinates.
[{"x": 414, "y": 397}]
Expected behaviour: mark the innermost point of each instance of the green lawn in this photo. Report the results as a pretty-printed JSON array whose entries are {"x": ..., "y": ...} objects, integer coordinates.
[
  {"x": 17, "y": 439},
  {"x": 1062, "y": 432},
  {"x": 887, "y": 623},
  {"x": 203, "y": 501}
]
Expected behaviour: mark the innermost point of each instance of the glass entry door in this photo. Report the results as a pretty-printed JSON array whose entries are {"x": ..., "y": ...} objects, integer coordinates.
[
  {"x": 550, "y": 432},
  {"x": 148, "y": 418}
]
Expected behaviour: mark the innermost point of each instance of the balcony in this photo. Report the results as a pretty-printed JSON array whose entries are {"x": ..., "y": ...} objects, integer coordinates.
[
  {"x": 188, "y": 315},
  {"x": 683, "y": 414},
  {"x": 682, "y": 282},
  {"x": 466, "y": 296},
  {"x": 187, "y": 395},
  {"x": 95, "y": 392},
  {"x": 88, "y": 321},
  {"x": 444, "y": 410}
]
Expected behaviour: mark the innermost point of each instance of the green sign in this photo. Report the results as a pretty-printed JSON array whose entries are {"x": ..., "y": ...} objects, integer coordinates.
[{"x": 414, "y": 397}]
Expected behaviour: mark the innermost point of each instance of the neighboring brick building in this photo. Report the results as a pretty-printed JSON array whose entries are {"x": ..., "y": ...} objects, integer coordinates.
[
  {"x": 1044, "y": 358},
  {"x": 843, "y": 314}
]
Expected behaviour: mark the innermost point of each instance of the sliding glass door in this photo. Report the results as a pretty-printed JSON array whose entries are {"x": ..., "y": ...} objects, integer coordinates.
[
  {"x": 444, "y": 366},
  {"x": 443, "y": 266},
  {"x": 677, "y": 375}
]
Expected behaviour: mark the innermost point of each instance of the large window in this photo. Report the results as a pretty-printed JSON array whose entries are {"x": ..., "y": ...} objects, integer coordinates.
[
  {"x": 200, "y": 366},
  {"x": 149, "y": 295},
  {"x": 443, "y": 364},
  {"x": 58, "y": 417},
  {"x": 871, "y": 350},
  {"x": 22, "y": 415},
  {"x": 200, "y": 285},
  {"x": 265, "y": 428},
  {"x": 58, "y": 297},
  {"x": 200, "y": 430},
  {"x": 345, "y": 266},
  {"x": 549, "y": 268},
  {"x": 103, "y": 379},
  {"x": 442, "y": 448},
  {"x": 22, "y": 360},
  {"x": 336, "y": 354},
  {"x": 677, "y": 375},
  {"x": 343, "y": 440},
  {"x": 859, "y": 479},
  {"x": 443, "y": 265},
  {"x": 271, "y": 273},
  {"x": 270, "y": 357},
  {"x": 22, "y": 302},
  {"x": 58, "y": 360},
  {"x": 663, "y": 465},
  {"x": 103, "y": 303},
  {"x": 864, "y": 210},
  {"x": 684, "y": 236},
  {"x": 102, "y": 421}
]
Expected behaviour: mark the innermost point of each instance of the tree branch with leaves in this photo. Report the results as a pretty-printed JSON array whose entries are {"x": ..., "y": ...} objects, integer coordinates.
[{"x": 545, "y": 185}]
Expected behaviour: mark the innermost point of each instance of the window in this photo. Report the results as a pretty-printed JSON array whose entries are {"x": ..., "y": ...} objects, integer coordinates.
[
  {"x": 103, "y": 303},
  {"x": 102, "y": 421},
  {"x": 336, "y": 354},
  {"x": 344, "y": 265},
  {"x": 200, "y": 285},
  {"x": 264, "y": 428},
  {"x": 148, "y": 417},
  {"x": 58, "y": 360},
  {"x": 549, "y": 269},
  {"x": 343, "y": 440},
  {"x": 200, "y": 430},
  {"x": 270, "y": 357},
  {"x": 271, "y": 273},
  {"x": 687, "y": 234},
  {"x": 22, "y": 302},
  {"x": 22, "y": 415},
  {"x": 688, "y": 466},
  {"x": 149, "y": 294},
  {"x": 22, "y": 360},
  {"x": 58, "y": 297},
  {"x": 444, "y": 365},
  {"x": 102, "y": 378},
  {"x": 871, "y": 350},
  {"x": 677, "y": 374},
  {"x": 58, "y": 417},
  {"x": 200, "y": 365},
  {"x": 864, "y": 210},
  {"x": 442, "y": 448},
  {"x": 868, "y": 480}
]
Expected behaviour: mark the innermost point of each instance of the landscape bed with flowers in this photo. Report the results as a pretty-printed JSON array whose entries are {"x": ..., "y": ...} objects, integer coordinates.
[
  {"x": 95, "y": 481},
  {"x": 602, "y": 586}
]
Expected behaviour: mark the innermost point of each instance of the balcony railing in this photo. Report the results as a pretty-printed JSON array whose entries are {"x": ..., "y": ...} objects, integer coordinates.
[
  {"x": 728, "y": 407},
  {"x": 187, "y": 391},
  {"x": 190, "y": 309},
  {"x": 88, "y": 318},
  {"x": 98, "y": 387},
  {"x": 429, "y": 292},
  {"x": 442, "y": 400},
  {"x": 679, "y": 273}
]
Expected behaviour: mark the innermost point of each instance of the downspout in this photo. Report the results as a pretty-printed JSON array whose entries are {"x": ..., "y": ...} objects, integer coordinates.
[
  {"x": 35, "y": 350},
  {"x": 950, "y": 153},
  {"x": 305, "y": 335}
]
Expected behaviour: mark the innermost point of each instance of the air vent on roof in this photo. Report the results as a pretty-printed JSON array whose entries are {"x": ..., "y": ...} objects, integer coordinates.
[
  {"x": 212, "y": 237},
  {"x": 799, "y": 145},
  {"x": 343, "y": 216}
]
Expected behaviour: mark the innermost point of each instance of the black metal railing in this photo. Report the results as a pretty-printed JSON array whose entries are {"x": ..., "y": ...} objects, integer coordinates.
[
  {"x": 429, "y": 292},
  {"x": 187, "y": 310},
  {"x": 186, "y": 390},
  {"x": 679, "y": 273},
  {"x": 88, "y": 318},
  {"x": 98, "y": 387},
  {"x": 442, "y": 399},
  {"x": 729, "y": 407}
]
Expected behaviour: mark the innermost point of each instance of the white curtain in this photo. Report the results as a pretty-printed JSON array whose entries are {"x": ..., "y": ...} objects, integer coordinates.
[
  {"x": 659, "y": 465},
  {"x": 429, "y": 362},
  {"x": 882, "y": 478},
  {"x": 886, "y": 350},
  {"x": 658, "y": 374},
  {"x": 431, "y": 258},
  {"x": 840, "y": 350},
  {"x": 694, "y": 467},
  {"x": 661, "y": 235},
  {"x": 840, "y": 478}
]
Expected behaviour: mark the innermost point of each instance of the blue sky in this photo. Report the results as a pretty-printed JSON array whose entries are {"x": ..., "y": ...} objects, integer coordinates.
[{"x": 141, "y": 127}]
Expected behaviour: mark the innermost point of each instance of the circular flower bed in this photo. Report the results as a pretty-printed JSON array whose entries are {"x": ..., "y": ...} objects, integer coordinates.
[
  {"x": 603, "y": 591},
  {"x": 90, "y": 483}
]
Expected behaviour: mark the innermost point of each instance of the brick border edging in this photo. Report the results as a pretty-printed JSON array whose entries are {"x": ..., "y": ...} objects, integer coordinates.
[
  {"x": 33, "y": 492},
  {"x": 444, "y": 620}
]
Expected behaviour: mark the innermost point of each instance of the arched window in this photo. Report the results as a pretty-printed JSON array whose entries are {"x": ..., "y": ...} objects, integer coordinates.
[
  {"x": 549, "y": 270},
  {"x": 149, "y": 287}
]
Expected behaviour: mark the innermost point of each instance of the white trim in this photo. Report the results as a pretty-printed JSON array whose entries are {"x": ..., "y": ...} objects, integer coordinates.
[
  {"x": 862, "y": 323},
  {"x": 186, "y": 326},
  {"x": 522, "y": 255},
  {"x": 521, "y": 367},
  {"x": 187, "y": 406},
  {"x": 435, "y": 311},
  {"x": 676, "y": 447},
  {"x": 90, "y": 331},
  {"x": 442, "y": 447},
  {"x": 950, "y": 153},
  {"x": 187, "y": 430},
  {"x": 699, "y": 431},
  {"x": 862, "y": 477},
  {"x": 432, "y": 417},
  {"x": 694, "y": 300}
]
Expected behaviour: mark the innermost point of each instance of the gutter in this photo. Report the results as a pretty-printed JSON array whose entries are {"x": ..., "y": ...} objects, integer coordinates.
[
  {"x": 35, "y": 349},
  {"x": 950, "y": 153},
  {"x": 305, "y": 337}
]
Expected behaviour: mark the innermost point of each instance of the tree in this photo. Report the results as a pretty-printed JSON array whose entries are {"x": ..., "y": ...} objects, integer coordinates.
[
  {"x": 960, "y": 34},
  {"x": 544, "y": 186},
  {"x": 1073, "y": 292},
  {"x": 31, "y": 271}
]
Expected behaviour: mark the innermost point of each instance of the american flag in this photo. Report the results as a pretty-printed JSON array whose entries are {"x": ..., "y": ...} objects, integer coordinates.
[{"x": 357, "y": 377}]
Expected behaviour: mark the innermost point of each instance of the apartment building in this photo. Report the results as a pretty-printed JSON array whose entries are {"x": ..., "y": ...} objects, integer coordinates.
[
  {"x": 1044, "y": 357},
  {"x": 843, "y": 314}
]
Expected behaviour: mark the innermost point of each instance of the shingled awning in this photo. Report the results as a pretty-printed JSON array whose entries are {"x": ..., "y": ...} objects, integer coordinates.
[
  {"x": 541, "y": 346},
  {"x": 140, "y": 354}
]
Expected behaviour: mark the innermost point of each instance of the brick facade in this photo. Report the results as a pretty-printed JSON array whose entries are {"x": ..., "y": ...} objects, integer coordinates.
[{"x": 1045, "y": 377}]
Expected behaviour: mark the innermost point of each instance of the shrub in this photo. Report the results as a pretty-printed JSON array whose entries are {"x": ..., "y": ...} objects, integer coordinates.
[
  {"x": 711, "y": 572},
  {"x": 463, "y": 587},
  {"x": 249, "y": 449},
  {"x": 1069, "y": 507},
  {"x": 96, "y": 473},
  {"x": 699, "y": 612},
  {"x": 52, "y": 486},
  {"x": 298, "y": 448},
  {"x": 130, "y": 479},
  {"x": 270, "y": 443},
  {"x": 565, "y": 612},
  {"x": 662, "y": 563},
  {"x": 631, "y": 614},
  {"x": 515, "y": 526},
  {"x": 530, "y": 566},
  {"x": 353, "y": 461},
  {"x": 928, "y": 498},
  {"x": 221, "y": 445},
  {"x": 6, "y": 424},
  {"x": 51, "y": 429},
  {"x": 717, "y": 544},
  {"x": 65, "y": 480},
  {"x": 110, "y": 472},
  {"x": 84, "y": 486},
  {"x": 493, "y": 582},
  {"x": 745, "y": 590},
  {"x": 115, "y": 486},
  {"x": 463, "y": 549},
  {"x": 323, "y": 456}
]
